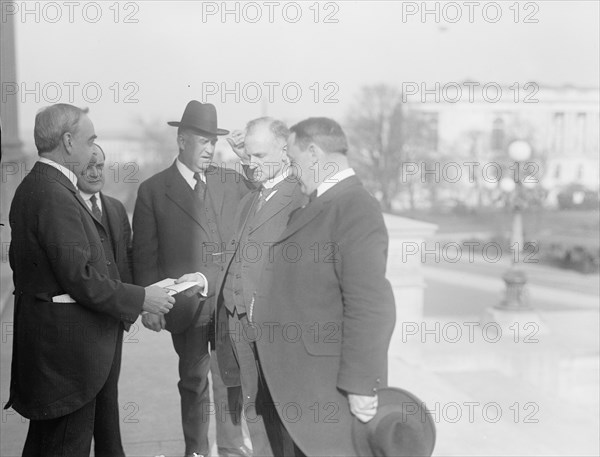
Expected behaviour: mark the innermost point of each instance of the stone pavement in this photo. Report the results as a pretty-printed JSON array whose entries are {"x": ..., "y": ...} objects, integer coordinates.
[{"x": 529, "y": 392}]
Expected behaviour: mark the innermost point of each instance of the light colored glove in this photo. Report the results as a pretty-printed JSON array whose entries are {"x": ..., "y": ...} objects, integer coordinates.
[{"x": 364, "y": 407}]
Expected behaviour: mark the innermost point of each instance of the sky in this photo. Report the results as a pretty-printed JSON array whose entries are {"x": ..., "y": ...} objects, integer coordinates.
[{"x": 286, "y": 59}]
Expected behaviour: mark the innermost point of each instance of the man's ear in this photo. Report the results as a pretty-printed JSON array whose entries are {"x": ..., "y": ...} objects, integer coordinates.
[
  {"x": 315, "y": 153},
  {"x": 284, "y": 155},
  {"x": 67, "y": 140},
  {"x": 181, "y": 141}
]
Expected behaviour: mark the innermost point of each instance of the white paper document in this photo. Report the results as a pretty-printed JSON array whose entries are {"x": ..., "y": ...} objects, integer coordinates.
[
  {"x": 168, "y": 284},
  {"x": 172, "y": 288}
]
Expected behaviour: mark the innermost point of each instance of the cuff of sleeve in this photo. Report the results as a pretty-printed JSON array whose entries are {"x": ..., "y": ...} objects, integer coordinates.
[
  {"x": 366, "y": 387},
  {"x": 204, "y": 292}
]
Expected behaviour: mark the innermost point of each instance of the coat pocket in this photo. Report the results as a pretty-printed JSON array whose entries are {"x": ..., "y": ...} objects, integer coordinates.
[{"x": 323, "y": 338}]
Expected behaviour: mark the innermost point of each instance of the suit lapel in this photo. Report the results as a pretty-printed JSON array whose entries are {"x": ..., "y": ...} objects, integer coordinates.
[
  {"x": 303, "y": 217},
  {"x": 246, "y": 208},
  {"x": 48, "y": 171},
  {"x": 113, "y": 219},
  {"x": 82, "y": 202},
  {"x": 179, "y": 192},
  {"x": 271, "y": 208},
  {"x": 309, "y": 212},
  {"x": 215, "y": 188}
]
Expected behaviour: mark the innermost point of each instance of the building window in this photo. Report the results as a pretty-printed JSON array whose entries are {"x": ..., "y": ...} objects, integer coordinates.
[
  {"x": 581, "y": 133},
  {"x": 432, "y": 131},
  {"x": 559, "y": 132}
]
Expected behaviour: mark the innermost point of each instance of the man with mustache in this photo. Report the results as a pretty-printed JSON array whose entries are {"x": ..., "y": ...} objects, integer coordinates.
[{"x": 182, "y": 216}]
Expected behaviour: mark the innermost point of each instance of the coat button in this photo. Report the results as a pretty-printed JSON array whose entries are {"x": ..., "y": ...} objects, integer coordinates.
[
  {"x": 108, "y": 262},
  {"x": 102, "y": 239}
]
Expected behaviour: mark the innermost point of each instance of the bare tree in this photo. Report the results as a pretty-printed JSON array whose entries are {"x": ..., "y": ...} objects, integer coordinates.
[{"x": 385, "y": 137}]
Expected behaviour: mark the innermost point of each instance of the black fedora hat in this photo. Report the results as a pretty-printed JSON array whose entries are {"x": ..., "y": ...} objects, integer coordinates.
[
  {"x": 402, "y": 427},
  {"x": 201, "y": 117}
]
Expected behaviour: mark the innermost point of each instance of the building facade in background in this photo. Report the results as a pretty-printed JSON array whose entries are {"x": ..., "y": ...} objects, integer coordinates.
[{"x": 472, "y": 124}]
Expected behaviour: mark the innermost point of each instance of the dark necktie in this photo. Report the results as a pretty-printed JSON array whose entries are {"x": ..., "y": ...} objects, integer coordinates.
[
  {"x": 262, "y": 198},
  {"x": 95, "y": 208},
  {"x": 200, "y": 187},
  {"x": 312, "y": 197}
]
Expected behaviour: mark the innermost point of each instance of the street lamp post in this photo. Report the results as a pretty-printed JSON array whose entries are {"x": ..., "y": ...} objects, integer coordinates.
[{"x": 516, "y": 296}]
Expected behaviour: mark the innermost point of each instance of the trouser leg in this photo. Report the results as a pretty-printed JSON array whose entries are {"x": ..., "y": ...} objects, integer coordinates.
[
  {"x": 107, "y": 431},
  {"x": 66, "y": 436},
  {"x": 194, "y": 364}
]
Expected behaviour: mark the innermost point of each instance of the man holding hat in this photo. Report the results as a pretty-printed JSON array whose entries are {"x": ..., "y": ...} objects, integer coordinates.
[
  {"x": 324, "y": 305},
  {"x": 182, "y": 217}
]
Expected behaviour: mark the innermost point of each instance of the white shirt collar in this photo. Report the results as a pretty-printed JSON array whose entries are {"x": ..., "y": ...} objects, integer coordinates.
[
  {"x": 333, "y": 180},
  {"x": 64, "y": 170},
  {"x": 86, "y": 198},
  {"x": 276, "y": 180},
  {"x": 188, "y": 174}
]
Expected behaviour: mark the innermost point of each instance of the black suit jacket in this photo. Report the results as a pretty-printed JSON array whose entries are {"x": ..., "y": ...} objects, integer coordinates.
[
  {"x": 264, "y": 228},
  {"x": 331, "y": 311},
  {"x": 120, "y": 232},
  {"x": 171, "y": 235},
  {"x": 62, "y": 352}
]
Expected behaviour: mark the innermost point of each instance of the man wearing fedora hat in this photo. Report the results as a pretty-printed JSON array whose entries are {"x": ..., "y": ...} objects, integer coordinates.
[{"x": 182, "y": 216}]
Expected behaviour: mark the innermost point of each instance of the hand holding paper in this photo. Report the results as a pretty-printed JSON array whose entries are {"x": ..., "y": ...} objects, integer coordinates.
[
  {"x": 190, "y": 284},
  {"x": 157, "y": 301}
]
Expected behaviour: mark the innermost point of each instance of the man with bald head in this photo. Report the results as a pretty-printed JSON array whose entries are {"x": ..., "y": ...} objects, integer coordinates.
[
  {"x": 261, "y": 217},
  {"x": 71, "y": 304},
  {"x": 115, "y": 234},
  {"x": 115, "y": 229}
]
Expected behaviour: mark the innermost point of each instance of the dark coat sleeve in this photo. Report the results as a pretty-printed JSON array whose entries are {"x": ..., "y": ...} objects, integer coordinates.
[
  {"x": 369, "y": 309},
  {"x": 124, "y": 249},
  {"x": 145, "y": 239},
  {"x": 127, "y": 240}
]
